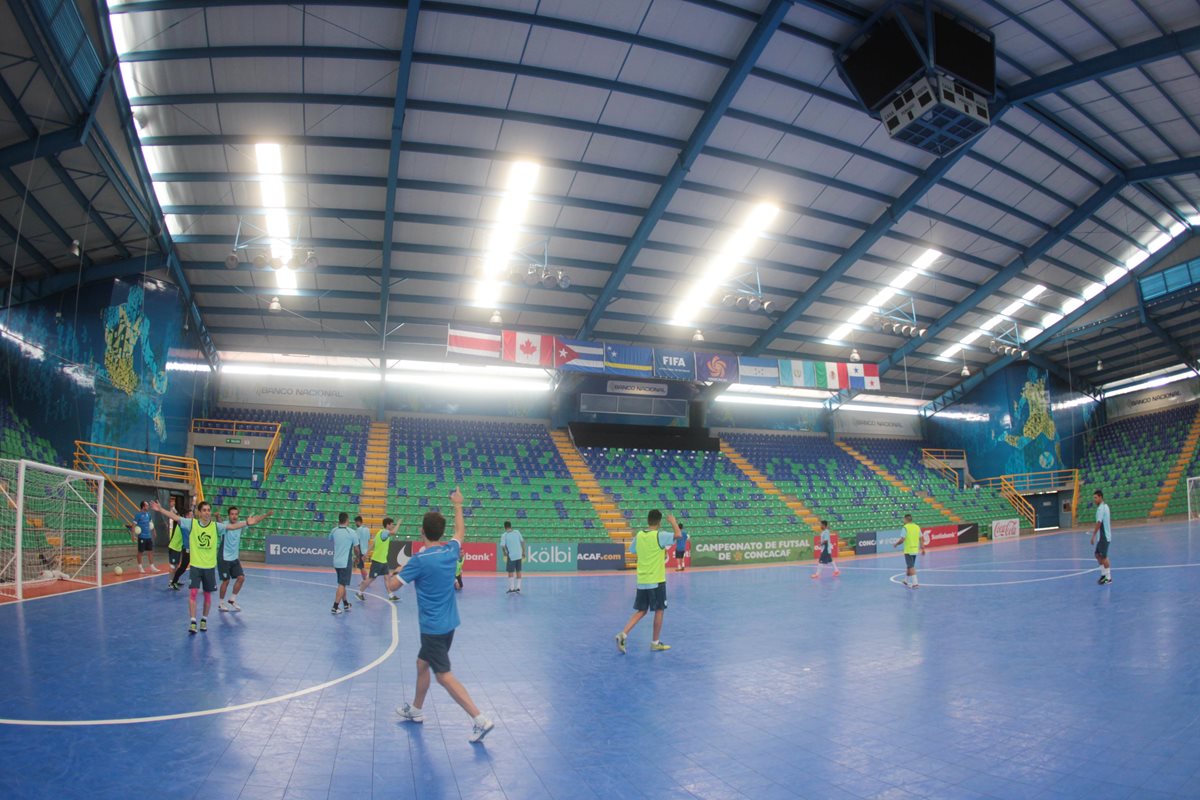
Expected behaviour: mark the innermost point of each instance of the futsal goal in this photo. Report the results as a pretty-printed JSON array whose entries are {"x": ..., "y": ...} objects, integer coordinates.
[
  {"x": 50, "y": 528},
  {"x": 1193, "y": 490}
]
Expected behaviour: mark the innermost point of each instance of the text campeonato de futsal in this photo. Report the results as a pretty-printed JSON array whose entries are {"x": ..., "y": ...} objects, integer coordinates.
[{"x": 725, "y": 547}]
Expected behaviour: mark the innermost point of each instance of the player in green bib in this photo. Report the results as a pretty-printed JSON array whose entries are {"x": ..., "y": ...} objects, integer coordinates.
[
  {"x": 377, "y": 554},
  {"x": 649, "y": 545},
  {"x": 202, "y": 538},
  {"x": 913, "y": 546},
  {"x": 177, "y": 554}
]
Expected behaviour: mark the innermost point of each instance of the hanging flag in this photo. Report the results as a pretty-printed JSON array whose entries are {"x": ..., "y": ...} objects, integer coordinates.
[
  {"x": 871, "y": 377},
  {"x": 527, "y": 348},
  {"x": 675, "y": 365},
  {"x": 856, "y": 376},
  {"x": 837, "y": 376},
  {"x": 761, "y": 371},
  {"x": 628, "y": 359},
  {"x": 473, "y": 342},
  {"x": 717, "y": 367},
  {"x": 576, "y": 355}
]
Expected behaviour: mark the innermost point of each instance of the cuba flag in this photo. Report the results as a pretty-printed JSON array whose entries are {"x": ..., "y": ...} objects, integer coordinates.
[
  {"x": 760, "y": 371},
  {"x": 628, "y": 359},
  {"x": 675, "y": 365}
]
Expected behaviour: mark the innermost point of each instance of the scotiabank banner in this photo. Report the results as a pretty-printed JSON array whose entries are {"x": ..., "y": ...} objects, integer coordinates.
[
  {"x": 480, "y": 556},
  {"x": 941, "y": 535},
  {"x": 833, "y": 545},
  {"x": 600, "y": 555},
  {"x": 968, "y": 532},
  {"x": 707, "y": 553}
]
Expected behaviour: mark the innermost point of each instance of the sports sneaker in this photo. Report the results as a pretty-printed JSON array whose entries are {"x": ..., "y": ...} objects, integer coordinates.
[
  {"x": 141, "y": 568},
  {"x": 222, "y": 606},
  {"x": 203, "y": 624},
  {"x": 153, "y": 568},
  {"x": 335, "y": 610},
  {"x": 346, "y": 606},
  {"x": 410, "y": 714},
  {"x": 394, "y": 598},
  {"x": 1105, "y": 580},
  {"x": 815, "y": 575},
  {"x": 479, "y": 731},
  {"x": 360, "y": 596},
  {"x": 233, "y": 606},
  {"x": 658, "y": 647},
  {"x": 173, "y": 586},
  {"x": 192, "y": 627},
  {"x": 620, "y": 637},
  {"x": 837, "y": 572}
]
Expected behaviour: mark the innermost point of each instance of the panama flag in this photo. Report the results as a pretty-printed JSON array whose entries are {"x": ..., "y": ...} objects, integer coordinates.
[
  {"x": 473, "y": 342},
  {"x": 871, "y": 377},
  {"x": 576, "y": 355},
  {"x": 528, "y": 348},
  {"x": 858, "y": 378}
]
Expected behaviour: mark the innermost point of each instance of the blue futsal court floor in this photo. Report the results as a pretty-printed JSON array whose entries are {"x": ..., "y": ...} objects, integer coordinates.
[{"x": 1008, "y": 674}]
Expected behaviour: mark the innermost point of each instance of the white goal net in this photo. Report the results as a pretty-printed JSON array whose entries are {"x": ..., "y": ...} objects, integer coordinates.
[
  {"x": 1193, "y": 490},
  {"x": 50, "y": 528}
]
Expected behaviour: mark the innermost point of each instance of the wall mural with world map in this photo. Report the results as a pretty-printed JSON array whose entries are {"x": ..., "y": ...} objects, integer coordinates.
[
  {"x": 93, "y": 366},
  {"x": 1019, "y": 420}
]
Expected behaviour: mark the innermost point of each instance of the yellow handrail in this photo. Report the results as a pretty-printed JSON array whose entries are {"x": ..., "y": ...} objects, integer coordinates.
[
  {"x": 117, "y": 462},
  {"x": 231, "y": 427},
  {"x": 1023, "y": 506},
  {"x": 939, "y": 465},
  {"x": 123, "y": 507}
]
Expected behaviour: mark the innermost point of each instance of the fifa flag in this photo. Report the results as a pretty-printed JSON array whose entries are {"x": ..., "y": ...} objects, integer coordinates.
[
  {"x": 717, "y": 367},
  {"x": 535, "y": 349},
  {"x": 675, "y": 365},
  {"x": 628, "y": 359},
  {"x": 761, "y": 371},
  {"x": 473, "y": 342},
  {"x": 576, "y": 355}
]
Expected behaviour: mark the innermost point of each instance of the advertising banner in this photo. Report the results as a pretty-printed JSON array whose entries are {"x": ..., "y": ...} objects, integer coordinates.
[
  {"x": 1155, "y": 399},
  {"x": 308, "y": 551},
  {"x": 939, "y": 535},
  {"x": 968, "y": 532},
  {"x": 833, "y": 545},
  {"x": 872, "y": 542},
  {"x": 281, "y": 390},
  {"x": 480, "y": 556},
  {"x": 708, "y": 553},
  {"x": 864, "y": 423},
  {"x": 634, "y": 387},
  {"x": 600, "y": 555},
  {"x": 548, "y": 557},
  {"x": 1005, "y": 529}
]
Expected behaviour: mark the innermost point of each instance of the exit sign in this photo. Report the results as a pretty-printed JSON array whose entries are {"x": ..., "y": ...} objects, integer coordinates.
[{"x": 233, "y": 441}]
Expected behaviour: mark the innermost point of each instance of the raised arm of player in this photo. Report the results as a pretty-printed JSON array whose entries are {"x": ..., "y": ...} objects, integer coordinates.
[
  {"x": 460, "y": 524},
  {"x": 675, "y": 524},
  {"x": 171, "y": 515}
]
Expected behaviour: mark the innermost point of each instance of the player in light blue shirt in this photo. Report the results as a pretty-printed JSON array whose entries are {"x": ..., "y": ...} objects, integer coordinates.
[
  {"x": 345, "y": 540},
  {"x": 431, "y": 571},
  {"x": 826, "y": 554},
  {"x": 513, "y": 545},
  {"x": 229, "y": 561},
  {"x": 364, "y": 546},
  {"x": 144, "y": 536},
  {"x": 1102, "y": 536}
]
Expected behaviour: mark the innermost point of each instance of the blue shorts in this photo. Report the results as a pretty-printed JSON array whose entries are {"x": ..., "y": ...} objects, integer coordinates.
[
  {"x": 910, "y": 560},
  {"x": 651, "y": 599},
  {"x": 1102, "y": 547}
]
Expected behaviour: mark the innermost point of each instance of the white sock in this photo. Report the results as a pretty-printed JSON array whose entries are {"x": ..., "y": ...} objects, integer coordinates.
[
  {"x": 518, "y": 583},
  {"x": 1106, "y": 572},
  {"x": 914, "y": 580},
  {"x": 479, "y": 720},
  {"x": 233, "y": 599},
  {"x": 511, "y": 585}
]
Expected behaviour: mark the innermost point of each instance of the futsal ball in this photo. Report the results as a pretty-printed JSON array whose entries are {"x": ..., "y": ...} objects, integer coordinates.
[
  {"x": 47, "y": 574},
  {"x": 137, "y": 531},
  {"x": 117, "y": 570}
]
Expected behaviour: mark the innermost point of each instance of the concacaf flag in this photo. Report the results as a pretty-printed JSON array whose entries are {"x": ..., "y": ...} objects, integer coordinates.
[
  {"x": 473, "y": 342},
  {"x": 528, "y": 348}
]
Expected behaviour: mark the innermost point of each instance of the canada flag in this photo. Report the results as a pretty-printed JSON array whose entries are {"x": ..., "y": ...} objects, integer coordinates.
[{"x": 527, "y": 348}]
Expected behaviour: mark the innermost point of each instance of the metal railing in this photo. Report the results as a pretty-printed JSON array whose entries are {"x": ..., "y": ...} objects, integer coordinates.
[
  {"x": 115, "y": 463},
  {"x": 1024, "y": 508},
  {"x": 936, "y": 460},
  {"x": 1014, "y": 486},
  {"x": 237, "y": 428}
]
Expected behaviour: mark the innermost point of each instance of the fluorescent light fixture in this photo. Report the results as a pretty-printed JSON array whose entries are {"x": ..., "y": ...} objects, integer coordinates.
[
  {"x": 970, "y": 337},
  {"x": 187, "y": 366},
  {"x": 269, "y": 156},
  {"x": 908, "y": 412},
  {"x": 768, "y": 401},
  {"x": 890, "y": 400},
  {"x": 1051, "y": 319},
  {"x": 951, "y": 351},
  {"x": 470, "y": 383},
  {"x": 991, "y": 323},
  {"x": 732, "y": 252},
  {"x": 878, "y": 300},
  {"x": 906, "y": 277},
  {"x": 300, "y": 372},
  {"x": 514, "y": 203},
  {"x": 1071, "y": 305},
  {"x": 468, "y": 369},
  {"x": 272, "y": 193},
  {"x": 1012, "y": 308},
  {"x": 965, "y": 416},
  {"x": 1115, "y": 274},
  {"x": 285, "y": 278},
  {"x": 1145, "y": 376},
  {"x": 925, "y": 259},
  {"x": 859, "y": 316},
  {"x": 1151, "y": 384},
  {"x": 1033, "y": 293},
  {"x": 1074, "y": 402},
  {"x": 778, "y": 391}
]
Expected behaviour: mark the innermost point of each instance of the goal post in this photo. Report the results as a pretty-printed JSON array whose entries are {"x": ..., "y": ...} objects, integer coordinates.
[
  {"x": 1193, "y": 498},
  {"x": 51, "y": 528}
]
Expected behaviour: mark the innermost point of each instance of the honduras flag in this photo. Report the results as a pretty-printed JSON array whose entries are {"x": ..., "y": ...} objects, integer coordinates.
[
  {"x": 628, "y": 359},
  {"x": 761, "y": 371}
]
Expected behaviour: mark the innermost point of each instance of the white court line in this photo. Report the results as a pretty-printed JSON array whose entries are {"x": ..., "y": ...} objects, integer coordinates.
[
  {"x": 996, "y": 583},
  {"x": 13, "y": 601},
  {"x": 74, "y": 723}
]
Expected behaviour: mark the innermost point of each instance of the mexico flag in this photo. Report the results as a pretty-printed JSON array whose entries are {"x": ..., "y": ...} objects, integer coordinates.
[{"x": 528, "y": 348}]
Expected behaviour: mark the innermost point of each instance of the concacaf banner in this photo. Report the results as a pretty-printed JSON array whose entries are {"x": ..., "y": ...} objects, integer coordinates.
[{"x": 708, "y": 553}]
